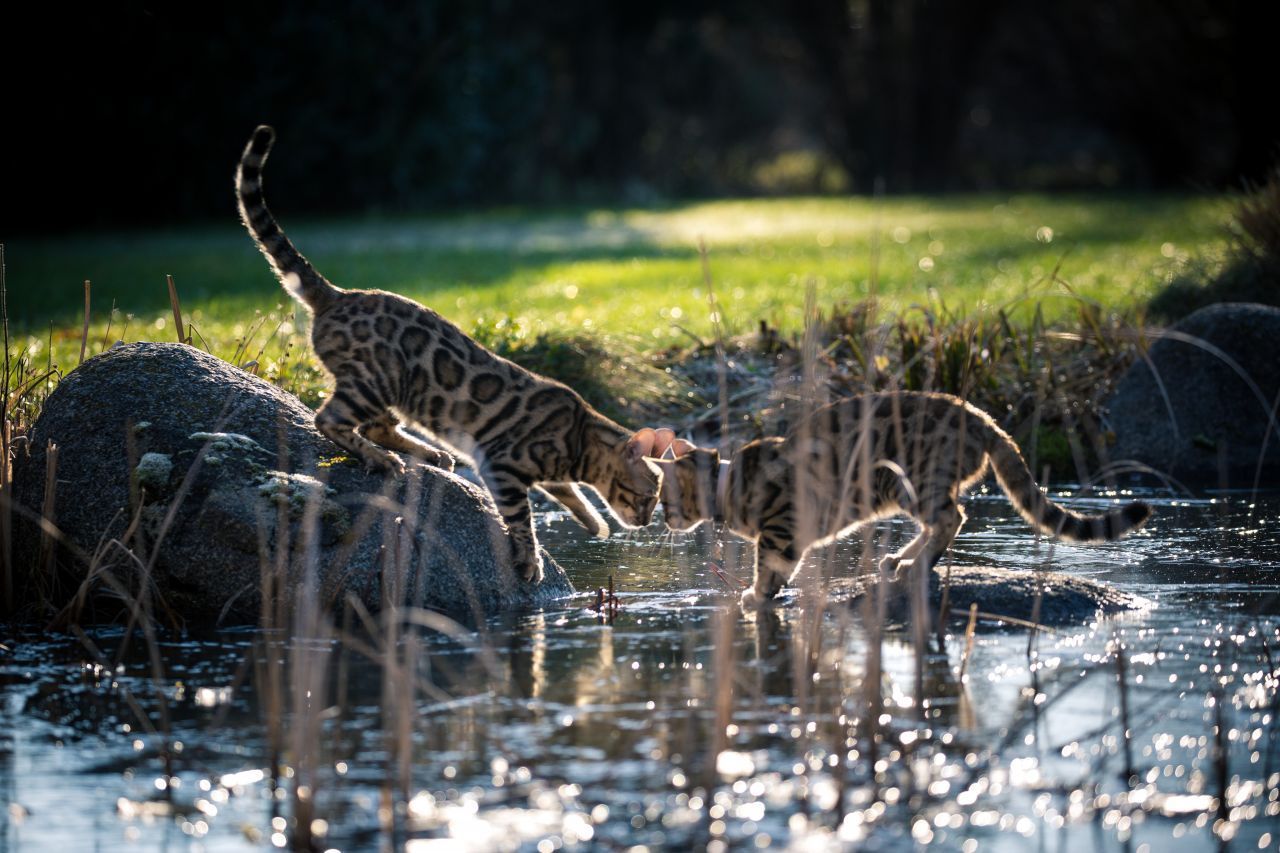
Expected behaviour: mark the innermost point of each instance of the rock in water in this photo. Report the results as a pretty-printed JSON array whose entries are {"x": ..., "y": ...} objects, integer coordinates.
[
  {"x": 1202, "y": 419},
  {"x": 1003, "y": 596},
  {"x": 175, "y": 465}
]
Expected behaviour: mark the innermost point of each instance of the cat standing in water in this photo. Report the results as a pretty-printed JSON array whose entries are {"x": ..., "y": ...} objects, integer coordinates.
[{"x": 860, "y": 459}]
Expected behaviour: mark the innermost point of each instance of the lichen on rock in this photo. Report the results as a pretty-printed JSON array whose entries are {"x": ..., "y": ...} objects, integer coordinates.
[{"x": 153, "y": 471}]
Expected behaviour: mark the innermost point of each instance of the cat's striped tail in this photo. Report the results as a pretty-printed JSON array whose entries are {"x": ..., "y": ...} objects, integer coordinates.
[
  {"x": 294, "y": 271},
  {"x": 1048, "y": 517}
]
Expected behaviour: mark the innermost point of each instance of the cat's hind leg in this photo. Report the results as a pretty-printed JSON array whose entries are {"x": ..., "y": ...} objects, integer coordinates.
[
  {"x": 385, "y": 431},
  {"x": 942, "y": 525},
  {"x": 775, "y": 565},
  {"x": 511, "y": 499}
]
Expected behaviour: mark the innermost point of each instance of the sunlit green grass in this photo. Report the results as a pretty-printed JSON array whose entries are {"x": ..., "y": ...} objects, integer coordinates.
[{"x": 630, "y": 274}]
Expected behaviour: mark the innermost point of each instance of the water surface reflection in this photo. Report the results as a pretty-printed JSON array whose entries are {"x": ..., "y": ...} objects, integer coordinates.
[{"x": 680, "y": 722}]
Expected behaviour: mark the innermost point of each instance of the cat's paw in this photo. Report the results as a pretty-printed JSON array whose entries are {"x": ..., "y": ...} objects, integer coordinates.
[
  {"x": 439, "y": 459},
  {"x": 533, "y": 573},
  {"x": 390, "y": 465},
  {"x": 889, "y": 566},
  {"x": 529, "y": 568},
  {"x": 751, "y": 600}
]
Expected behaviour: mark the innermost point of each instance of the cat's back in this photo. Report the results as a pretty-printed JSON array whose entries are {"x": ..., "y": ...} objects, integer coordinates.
[
  {"x": 851, "y": 416},
  {"x": 888, "y": 421},
  {"x": 377, "y": 324}
]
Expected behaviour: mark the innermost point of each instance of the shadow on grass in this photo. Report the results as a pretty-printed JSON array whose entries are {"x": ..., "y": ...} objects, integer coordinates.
[
  {"x": 220, "y": 266},
  {"x": 216, "y": 268}
]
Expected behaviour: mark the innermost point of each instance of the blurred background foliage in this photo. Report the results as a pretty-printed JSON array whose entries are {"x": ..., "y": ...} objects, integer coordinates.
[{"x": 134, "y": 113}]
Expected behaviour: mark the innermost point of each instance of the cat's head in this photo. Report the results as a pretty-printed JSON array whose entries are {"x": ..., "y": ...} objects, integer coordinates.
[
  {"x": 632, "y": 481},
  {"x": 688, "y": 484}
]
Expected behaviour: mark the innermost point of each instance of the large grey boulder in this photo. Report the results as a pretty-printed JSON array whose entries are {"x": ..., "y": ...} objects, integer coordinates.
[
  {"x": 175, "y": 466},
  {"x": 1210, "y": 416}
]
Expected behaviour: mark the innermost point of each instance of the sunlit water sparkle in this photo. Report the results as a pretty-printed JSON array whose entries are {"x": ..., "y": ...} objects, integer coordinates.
[{"x": 569, "y": 729}]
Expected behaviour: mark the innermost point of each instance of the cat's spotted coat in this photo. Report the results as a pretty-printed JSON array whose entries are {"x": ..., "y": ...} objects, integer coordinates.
[
  {"x": 393, "y": 360},
  {"x": 860, "y": 459}
]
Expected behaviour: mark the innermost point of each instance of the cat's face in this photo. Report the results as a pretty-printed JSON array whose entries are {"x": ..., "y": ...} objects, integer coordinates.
[
  {"x": 633, "y": 493},
  {"x": 689, "y": 487},
  {"x": 634, "y": 482}
]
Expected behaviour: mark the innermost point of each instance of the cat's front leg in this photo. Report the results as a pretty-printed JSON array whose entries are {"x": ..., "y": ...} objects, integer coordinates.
[
  {"x": 511, "y": 498},
  {"x": 569, "y": 496},
  {"x": 775, "y": 564},
  {"x": 903, "y": 557}
]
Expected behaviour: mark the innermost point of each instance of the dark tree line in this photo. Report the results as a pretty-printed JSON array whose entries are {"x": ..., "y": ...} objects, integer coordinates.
[{"x": 134, "y": 113}]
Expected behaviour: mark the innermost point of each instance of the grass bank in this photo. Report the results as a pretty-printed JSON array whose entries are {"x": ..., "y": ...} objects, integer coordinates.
[
  {"x": 630, "y": 274},
  {"x": 1029, "y": 305}
]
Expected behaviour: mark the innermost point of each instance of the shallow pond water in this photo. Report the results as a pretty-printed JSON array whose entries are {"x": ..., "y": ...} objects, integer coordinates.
[{"x": 674, "y": 721}]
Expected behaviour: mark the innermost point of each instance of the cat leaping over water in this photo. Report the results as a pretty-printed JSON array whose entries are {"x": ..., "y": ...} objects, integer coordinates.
[
  {"x": 393, "y": 360},
  {"x": 860, "y": 459}
]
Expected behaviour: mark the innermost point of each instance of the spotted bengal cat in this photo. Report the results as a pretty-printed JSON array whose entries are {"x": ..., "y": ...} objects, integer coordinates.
[
  {"x": 393, "y": 360},
  {"x": 860, "y": 459}
]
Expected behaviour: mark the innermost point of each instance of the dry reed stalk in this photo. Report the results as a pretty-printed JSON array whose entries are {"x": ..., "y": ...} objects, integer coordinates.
[
  {"x": 84, "y": 333},
  {"x": 6, "y": 517},
  {"x": 944, "y": 605},
  {"x": 1008, "y": 620},
  {"x": 144, "y": 602},
  {"x": 257, "y": 360},
  {"x": 807, "y": 640},
  {"x": 404, "y": 525},
  {"x": 48, "y": 548},
  {"x": 1221, "y": 770},
  {"x": 968, "y": 640},
  {"x": 1125, "y": 732},
  {"x": 6, "y": 436},
  {"x": 308, "y": 674},
  {"x": 273, "y": 563},
  {"x": 717, "y": 327},
  {"x": 106, "y": 336},
  {"x": 723, "y": 622},
  {"x": 177, "y": 310},
  {"x": 397, "y": 678},
  {"x": 4, "y": 323},
  {"x": 1036, "y": 605},
  {"x": 920, "y": 633}
]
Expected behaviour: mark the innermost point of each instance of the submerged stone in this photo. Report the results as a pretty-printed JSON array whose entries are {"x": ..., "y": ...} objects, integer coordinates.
[
  {"x": 215, "y": 485},
  {"x": 1003, "y": 596}
]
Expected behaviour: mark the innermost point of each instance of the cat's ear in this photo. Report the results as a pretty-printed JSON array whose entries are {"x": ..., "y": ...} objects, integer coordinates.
[
  {"x": 641, "y": 445},
  {"x": 679, "y": 447},
  {"x": 664, "y": 437},
  {"x": 653, "y": 443},
  {"x": 657, "y": 466}
]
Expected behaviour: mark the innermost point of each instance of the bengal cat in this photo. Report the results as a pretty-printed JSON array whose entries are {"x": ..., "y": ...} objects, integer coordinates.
[
  {"x": 857, "y": 460},
  {"x": 393, "y": 360}
]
